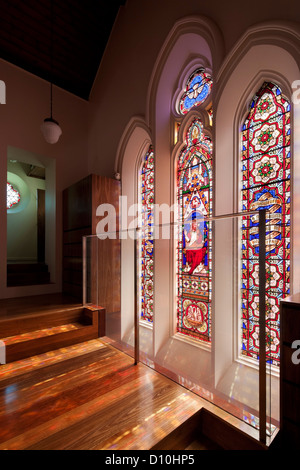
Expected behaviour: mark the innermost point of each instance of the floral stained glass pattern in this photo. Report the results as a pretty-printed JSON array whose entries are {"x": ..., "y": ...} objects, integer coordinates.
[
  {"x": 147, "y": 248},
  {"x": 198, "y": 88},
  {"x": 13, "y": 197},
  {"x": 194, "y": 263},
  {"x": 265, "y": 185}
]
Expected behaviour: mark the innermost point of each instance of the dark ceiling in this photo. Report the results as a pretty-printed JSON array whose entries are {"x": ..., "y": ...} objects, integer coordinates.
[{"x": 58, "y": 40}]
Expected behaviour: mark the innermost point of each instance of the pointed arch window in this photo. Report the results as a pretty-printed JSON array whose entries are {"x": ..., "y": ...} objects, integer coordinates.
[
  {"x": 266, "y": 174},
  {"x": 194, "y": 249},
  {"x": 146, "y": 259}
]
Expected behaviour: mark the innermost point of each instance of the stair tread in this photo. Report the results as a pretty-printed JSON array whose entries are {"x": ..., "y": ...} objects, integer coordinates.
[
  {"x": 29, "y": 335},
  {"x": 32, "y": 275},
  {"x": 25, "y": 274},
  {"x": 41, "y": 333},
  {"x": 16, "y": 268},
  {"x": 202, "y": 443}
]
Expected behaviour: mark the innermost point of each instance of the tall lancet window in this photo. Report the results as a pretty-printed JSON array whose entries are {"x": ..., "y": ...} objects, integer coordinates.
[
  {"x": 146, "y": 259},
  {"x": 194, "y": 263},
  {"x": 265, "y": 184}
]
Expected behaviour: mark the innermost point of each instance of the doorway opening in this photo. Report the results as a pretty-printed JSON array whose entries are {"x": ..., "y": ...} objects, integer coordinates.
[{"x": 30, "y": 212}]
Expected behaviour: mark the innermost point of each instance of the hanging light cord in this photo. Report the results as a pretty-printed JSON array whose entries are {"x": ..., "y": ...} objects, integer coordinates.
[
  {"x": 50, "y": 128},
  {"x": 51, "y": 59}
]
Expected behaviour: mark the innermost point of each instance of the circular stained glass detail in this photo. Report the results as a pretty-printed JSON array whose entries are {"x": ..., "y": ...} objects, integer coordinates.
[
  {"x": 13, "y": 197},
  {"x": 198, "y": 88}
]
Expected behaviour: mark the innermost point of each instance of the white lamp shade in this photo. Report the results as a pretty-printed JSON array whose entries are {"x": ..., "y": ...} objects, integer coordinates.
[{"x": 51, "y": 131}]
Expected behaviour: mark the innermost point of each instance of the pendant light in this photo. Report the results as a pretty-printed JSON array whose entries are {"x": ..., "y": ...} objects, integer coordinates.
[{"x": 50, "y": 128}]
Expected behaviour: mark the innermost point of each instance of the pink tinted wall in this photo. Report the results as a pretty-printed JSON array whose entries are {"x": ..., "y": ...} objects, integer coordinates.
[
  {"x": 27, "y": 105},
  {"x": 120, "y": 90}
]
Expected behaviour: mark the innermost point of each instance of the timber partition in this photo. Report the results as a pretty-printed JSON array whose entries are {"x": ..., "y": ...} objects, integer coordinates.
[{"x": 80, "y": 203}]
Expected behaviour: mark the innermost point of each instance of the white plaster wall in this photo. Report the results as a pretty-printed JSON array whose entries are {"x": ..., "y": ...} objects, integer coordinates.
[
  {"x": 22, "y": 218},
  {"x": 180, "y": 357},
  {"x": 27, "y": 105},
  {"x": 133, "y": 147}
]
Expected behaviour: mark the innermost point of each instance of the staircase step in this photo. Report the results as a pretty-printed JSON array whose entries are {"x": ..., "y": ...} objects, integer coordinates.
[
  {"x": 40, "y": 333},
  {"x": 206, "y": 431},
  {"x": 27, "y": 279},
  {"x": 32, "y": 335},
  {"x": 201, "y": 442},
  {"x": 26, "y": 267},
  {"x": 26, "y": 274}
]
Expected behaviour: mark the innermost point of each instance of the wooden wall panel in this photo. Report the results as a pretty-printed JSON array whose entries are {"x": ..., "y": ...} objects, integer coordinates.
[
  {"x": 289, "y": 373},
  {"x": 77, "y": 205},
  {"x": 80, "y": 202},
  {"x": 107, "y": 190}
]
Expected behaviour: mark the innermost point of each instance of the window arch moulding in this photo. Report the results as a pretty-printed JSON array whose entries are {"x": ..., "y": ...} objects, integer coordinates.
[
  {"x": 133, "y": 145},
  {"x": 198, "y": 29},
  {"x": 132, "y": 148},
  {"x": 280, "y": 34}
]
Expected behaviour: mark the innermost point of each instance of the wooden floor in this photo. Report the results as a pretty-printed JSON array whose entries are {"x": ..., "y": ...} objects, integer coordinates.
[
  {"x": 89, "y": 396},
  {"x": 34, "y": 304}
]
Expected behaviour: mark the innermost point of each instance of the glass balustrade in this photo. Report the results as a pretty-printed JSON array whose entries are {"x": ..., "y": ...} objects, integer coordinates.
[{"x": 199, "y": 303}]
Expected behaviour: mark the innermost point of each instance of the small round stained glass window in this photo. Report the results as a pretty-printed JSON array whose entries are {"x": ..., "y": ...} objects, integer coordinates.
[
  {"x": 198, "y": 88},
  {"x": 13, "y": 196}
]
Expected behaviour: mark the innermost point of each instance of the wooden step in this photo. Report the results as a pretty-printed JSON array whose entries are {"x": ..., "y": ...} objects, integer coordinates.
[
  {"x": 13, "y": 268},
  {"x": 31, "y": 335},
  {"x": 26, "y": 274},
  {"x": 206, "y": 431},
  {"x": 27, "y": 279}
]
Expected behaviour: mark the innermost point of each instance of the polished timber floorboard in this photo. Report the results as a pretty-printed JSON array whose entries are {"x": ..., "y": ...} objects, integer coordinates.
[
  {"x": 35, "y": 304},
  {"x": 89, "y": 396}
]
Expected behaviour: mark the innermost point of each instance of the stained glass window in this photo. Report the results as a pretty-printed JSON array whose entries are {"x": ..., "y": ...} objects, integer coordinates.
[
  {"x": 265, "y": 185},
  {"x": 194, "y": 262},
  {"x": 12, "y": 196},
  {"x": 147, "y": 248},
  {"x": 211, "y": 115},
  {"x": 198, "y": 88}
]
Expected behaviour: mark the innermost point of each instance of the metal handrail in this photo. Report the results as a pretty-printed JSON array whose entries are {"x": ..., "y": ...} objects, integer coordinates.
[{"x": 262, "y": 299}]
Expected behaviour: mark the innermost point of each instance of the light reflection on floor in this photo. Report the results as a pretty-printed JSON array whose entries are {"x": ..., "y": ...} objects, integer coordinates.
[
  {"x": 40, "y": 333},
  {"x": 52, "y": 357}
]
